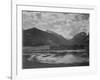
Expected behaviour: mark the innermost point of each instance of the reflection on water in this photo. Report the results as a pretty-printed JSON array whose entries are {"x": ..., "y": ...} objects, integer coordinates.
[{"x": 55, "y": 58}]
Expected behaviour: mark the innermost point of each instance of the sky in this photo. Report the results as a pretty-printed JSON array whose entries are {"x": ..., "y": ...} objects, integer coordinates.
[{"x": 65, "y": 24}]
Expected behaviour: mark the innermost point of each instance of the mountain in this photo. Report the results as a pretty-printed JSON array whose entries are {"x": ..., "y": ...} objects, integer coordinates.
[
  {"x": 80, "y": 39},
  {"x": 36, "y": 37}
]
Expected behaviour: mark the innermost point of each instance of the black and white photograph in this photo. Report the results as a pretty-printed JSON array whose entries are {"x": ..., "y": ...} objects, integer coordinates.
[{"x": 54, "y": 39}]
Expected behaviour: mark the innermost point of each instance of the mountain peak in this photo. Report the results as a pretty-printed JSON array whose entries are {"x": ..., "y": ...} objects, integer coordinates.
[{"x": 34, "y": 28}]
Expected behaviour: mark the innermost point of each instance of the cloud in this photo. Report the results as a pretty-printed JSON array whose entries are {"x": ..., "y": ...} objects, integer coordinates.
[{"x": 65, "y": 24}]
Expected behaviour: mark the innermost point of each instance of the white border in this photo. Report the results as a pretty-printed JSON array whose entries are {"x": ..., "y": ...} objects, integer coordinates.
[{"x": 17, "y": 71}]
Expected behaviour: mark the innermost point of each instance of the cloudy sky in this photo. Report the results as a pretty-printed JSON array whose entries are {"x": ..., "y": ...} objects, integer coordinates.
[{"x": 65, "y": 24}]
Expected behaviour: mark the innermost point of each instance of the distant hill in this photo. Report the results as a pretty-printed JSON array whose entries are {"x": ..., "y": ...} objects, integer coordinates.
[
  {"x": 37, "y": 37},
  {"x": 80, "y": 39}
]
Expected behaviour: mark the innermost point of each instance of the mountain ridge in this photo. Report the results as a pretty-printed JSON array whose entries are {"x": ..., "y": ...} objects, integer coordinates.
[{"x": 37, "y": 37}]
